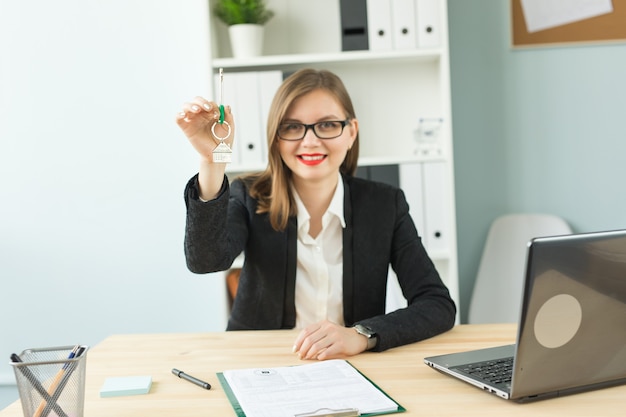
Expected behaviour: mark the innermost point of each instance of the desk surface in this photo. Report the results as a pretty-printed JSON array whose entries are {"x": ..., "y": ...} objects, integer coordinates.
[{"x": 400, "y": 372}]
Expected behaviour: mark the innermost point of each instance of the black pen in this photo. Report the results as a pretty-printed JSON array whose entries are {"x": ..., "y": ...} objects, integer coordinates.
[{"x": 191, "y": 379}]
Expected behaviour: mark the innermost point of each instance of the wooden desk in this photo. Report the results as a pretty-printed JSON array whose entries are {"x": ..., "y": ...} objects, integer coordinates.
[{"x": 400, "y": 372}]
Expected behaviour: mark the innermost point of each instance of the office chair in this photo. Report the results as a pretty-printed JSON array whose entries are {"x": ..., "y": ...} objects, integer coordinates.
[
  {"x": 232, "y": 284},
  {"x": 497, "y": 293}
]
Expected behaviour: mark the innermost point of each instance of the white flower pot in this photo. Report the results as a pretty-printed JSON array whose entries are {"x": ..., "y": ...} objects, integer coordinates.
[{"x": 246, "y": 40}]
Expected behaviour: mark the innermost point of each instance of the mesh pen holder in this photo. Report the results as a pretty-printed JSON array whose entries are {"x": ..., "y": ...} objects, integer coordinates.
[{"x": 50, "y": 382}]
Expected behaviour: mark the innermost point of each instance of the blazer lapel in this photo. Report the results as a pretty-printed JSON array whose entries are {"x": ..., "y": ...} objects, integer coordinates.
[
  {"x": 348, "y": 278},
  {"x": 289, "y": 312}
]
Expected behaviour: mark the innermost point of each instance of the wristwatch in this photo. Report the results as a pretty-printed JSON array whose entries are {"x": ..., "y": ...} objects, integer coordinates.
[{"x": 372, "y": 339}]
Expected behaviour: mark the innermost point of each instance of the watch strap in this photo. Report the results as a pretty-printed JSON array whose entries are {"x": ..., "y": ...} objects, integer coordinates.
[{"x": 372, "y": 339}]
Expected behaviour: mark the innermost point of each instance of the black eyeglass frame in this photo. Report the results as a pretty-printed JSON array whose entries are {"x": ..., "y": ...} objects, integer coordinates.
[{"x": 312, "y": 127}]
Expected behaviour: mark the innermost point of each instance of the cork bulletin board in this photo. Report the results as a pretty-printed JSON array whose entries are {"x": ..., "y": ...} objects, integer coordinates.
[{"x": 609, "y": 26}]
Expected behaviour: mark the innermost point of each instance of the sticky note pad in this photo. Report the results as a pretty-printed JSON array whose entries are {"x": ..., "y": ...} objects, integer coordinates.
[{"x": 126, "y": 385}]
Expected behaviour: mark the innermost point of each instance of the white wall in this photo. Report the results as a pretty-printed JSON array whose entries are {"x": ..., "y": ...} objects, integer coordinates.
[
  {"x": 535, "y": 130},
  {"x": 92, "y": 170}
]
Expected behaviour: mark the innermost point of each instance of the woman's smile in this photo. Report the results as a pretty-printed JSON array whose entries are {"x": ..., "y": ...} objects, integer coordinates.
[{"x": 312, "y": 159}]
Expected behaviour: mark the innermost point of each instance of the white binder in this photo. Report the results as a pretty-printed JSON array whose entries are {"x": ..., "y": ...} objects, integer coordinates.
[
  {"x": 248, "y": 131},
  {"x": 404, "y": 24},
  {"x": 379, "y": 26},
  {"x": 411, "y": 182},
  {"x": 269, "y": 81},
  {"x": 436, "y": 207},
  {"x": 428, "y": 28}
]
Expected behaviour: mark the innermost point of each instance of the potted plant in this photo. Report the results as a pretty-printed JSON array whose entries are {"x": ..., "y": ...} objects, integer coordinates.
[{"x": 245, "y": 20}]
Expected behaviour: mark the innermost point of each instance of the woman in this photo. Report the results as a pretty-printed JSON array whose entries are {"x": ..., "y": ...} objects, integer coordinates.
[{"x": 317, "y": 241}]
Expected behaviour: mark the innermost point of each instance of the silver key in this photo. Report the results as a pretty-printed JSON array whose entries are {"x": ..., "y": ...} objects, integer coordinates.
[{"x": 222, "y": 152}]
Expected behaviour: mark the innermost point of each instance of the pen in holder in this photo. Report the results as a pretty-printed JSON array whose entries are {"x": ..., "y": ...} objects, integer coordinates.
[{"x": 51, "y": 381}]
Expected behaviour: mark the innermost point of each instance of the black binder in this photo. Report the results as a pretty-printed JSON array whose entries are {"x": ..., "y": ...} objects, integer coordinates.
[{"x": 353, "y": 25}]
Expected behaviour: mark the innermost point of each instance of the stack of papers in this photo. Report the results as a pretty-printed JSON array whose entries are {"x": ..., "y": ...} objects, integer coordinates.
[{"x": 320, "y": 388}]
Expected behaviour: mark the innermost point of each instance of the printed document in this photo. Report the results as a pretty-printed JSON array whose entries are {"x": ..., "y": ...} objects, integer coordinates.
[{"x": 305, "y": 389}]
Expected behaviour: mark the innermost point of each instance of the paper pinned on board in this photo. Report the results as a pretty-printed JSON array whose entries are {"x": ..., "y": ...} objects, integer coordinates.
[{"x": 546, "y": 14}]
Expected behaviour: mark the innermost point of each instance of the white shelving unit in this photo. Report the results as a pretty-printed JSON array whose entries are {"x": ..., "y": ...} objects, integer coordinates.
[{"x": 393, "y": 92}]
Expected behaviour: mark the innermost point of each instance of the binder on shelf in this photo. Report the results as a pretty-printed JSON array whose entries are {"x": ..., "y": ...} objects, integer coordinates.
[
  {"x": 379, "y": 25},
  {"x": 269, "y": 81},
  {"x": 436, "y": 207},
  {"x": 387, "y": 174},
  {"x": 248, "y": 130},
  {"x": 428, "y": 29},
  {"x": 404, "y": 24},
  {"x": 410, "y": 174},
  {"x": 354, "y": 32}
]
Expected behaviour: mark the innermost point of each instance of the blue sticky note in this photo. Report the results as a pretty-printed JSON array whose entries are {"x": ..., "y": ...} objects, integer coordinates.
[{"x": 126, "y": 385}]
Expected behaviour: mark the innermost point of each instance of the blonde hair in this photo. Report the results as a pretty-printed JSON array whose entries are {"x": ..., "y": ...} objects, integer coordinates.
[{"x": 271, "y": 187}]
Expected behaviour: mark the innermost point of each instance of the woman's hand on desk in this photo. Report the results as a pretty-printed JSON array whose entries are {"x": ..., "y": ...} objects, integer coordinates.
[{"x": 326, "y": 340}]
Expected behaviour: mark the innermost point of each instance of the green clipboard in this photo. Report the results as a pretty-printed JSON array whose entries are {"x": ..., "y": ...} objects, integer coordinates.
[{"x": 330, "y": 413}]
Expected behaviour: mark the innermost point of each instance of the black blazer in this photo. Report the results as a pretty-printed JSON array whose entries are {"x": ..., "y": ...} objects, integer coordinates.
[{"x": 379, "y": 231}]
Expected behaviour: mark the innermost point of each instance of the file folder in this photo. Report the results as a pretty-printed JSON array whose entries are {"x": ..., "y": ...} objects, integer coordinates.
[
  {"x": 387, "y": 174},
  {"x": 354, "y": 32},
  {"x": 411, "y": 182},
  {"x": 436, "y": 207},
  {"x": 379, "y": 25},
  {"x": 332, "y": 388},
  {"x": 428, "y": 28},
  {"x": 404, "y": 23},
  {"x": 248, "y": 131},
  {"x": 269, "y": 81}
]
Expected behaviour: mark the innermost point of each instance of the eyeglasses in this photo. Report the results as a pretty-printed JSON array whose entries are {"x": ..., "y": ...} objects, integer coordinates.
[{"x": 328, "y": 129}]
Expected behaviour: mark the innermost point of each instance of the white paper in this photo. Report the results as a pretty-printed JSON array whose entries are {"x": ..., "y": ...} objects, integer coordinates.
[
  {"x": 545, "y": 14},
  {"x": 291, "y": 390}
]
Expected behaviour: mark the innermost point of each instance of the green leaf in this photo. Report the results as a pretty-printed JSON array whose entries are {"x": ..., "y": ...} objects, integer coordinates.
[{"x": 233, "y": 12}]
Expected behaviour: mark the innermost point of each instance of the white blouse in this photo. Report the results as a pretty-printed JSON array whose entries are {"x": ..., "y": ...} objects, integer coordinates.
[{"x": 319, "y": 274}]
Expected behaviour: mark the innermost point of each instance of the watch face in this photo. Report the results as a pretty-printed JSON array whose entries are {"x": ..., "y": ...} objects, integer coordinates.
[{"x": 364, "y": 330}]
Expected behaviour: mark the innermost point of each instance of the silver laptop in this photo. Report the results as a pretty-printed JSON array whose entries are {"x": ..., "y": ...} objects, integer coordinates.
[{"x": 572, "y": 329}]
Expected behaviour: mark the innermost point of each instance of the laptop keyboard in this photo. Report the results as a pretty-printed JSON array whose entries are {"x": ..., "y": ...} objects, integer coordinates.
[{"x": 496, "y": 371}]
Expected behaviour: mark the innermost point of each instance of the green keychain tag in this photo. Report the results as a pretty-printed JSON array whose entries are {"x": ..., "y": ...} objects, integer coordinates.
[{"x": 221, "y": 121}]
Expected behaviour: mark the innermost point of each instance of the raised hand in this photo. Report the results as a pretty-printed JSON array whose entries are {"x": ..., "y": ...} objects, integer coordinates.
[{"x": 196, "y": 120}]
